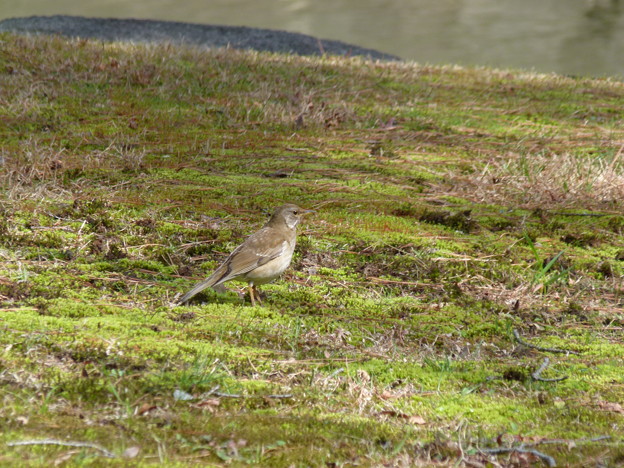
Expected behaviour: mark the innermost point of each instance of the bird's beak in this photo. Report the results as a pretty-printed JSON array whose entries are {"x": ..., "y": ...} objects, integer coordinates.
[{"x": 307, "y": 211}]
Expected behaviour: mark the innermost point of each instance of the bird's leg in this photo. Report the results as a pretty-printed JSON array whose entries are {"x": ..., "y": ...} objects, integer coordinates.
[
  {"x": 257, "y": 294},
  {"x": 250, "y": 288}
]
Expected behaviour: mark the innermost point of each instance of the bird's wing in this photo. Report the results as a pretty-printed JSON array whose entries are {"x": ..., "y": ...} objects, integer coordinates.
[{"x": 258, "y": 249}]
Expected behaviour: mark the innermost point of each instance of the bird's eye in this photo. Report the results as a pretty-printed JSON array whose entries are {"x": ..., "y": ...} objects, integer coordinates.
[{"x": 296, "y": 212}]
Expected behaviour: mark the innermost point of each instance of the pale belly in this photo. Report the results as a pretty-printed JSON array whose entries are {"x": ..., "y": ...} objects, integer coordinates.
[{"x": 270, "y": 270}]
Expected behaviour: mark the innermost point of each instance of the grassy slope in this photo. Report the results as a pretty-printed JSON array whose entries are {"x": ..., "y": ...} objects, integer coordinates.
[{"x": 129, "y": 172}]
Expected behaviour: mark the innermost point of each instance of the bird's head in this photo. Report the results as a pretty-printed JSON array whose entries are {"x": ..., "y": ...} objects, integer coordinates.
[{"x": 288, "y": 214}]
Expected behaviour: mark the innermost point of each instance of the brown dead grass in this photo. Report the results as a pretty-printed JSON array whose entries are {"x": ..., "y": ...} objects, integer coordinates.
[
  {"x": 35, "y": 161},
  {"x": 548, "y": 181}
]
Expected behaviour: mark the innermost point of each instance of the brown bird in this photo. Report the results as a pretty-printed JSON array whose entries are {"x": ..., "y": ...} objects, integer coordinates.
[{"x": 262, "y": 257}]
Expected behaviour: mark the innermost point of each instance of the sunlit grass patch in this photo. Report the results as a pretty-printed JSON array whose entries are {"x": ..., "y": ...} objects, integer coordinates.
[
  {"x": 553, "y": 180},
  {"x": 456, "y": 210}
]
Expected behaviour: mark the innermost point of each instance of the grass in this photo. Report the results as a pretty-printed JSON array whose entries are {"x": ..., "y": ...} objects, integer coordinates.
[{"x": 454, "y": 206}]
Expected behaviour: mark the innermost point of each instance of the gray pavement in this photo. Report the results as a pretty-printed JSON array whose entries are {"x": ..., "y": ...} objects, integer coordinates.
[{"x": 136, "y": 30}]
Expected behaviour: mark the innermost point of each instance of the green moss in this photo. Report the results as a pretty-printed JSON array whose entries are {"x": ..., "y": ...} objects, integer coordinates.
[{"x": 423, "y": 257}]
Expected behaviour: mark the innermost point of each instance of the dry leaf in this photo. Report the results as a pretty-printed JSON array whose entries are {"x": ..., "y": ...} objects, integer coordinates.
[
  {"x": 145, "y": 408},
  {"x": 64, "y": 457},
  {"x": 363, "y": 376},
  {"x": 612, "y": 407},
  {"x": 181, "y": 395},
  {"x": 413, "y": 419},
  {"x": 131, "y": 452},
  {"x": 209, "y": 403},
  {"x": 419, "y": 420},
  {"x": 386, "y": 395}
]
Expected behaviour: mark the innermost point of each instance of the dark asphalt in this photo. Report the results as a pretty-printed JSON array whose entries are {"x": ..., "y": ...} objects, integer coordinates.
[{"x": 136, "y": 30}]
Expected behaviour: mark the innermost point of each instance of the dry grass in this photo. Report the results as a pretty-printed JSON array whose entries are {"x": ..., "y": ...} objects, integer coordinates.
[
  {"x": 549, "y": 181},
  {"x": 34, "y": 162},
  {"x": 129, "y": 171}
]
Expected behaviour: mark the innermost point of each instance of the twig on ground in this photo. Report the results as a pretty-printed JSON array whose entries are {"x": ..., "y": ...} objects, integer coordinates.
[
  {"x": 559, "y": 213},
  {"x": 335, "y": 373},
  {"x": 64, "y": 443},
  {"x": 550, "y": 461},
  {"x": 235, "y": 395},
  {"x": 541, "y": 348},
  {"x": 214, "y": 391},
  {"x": 528, "y": 448},
  {"x": 537, "y": 374},
  {"x": 568, "y": 441}
]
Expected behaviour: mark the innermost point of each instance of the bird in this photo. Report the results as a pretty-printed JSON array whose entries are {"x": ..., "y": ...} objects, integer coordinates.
[{"x": 262, "y": 257}]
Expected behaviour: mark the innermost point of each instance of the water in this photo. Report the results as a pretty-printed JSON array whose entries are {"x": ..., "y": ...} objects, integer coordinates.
[{"x": 577, "y": 37}]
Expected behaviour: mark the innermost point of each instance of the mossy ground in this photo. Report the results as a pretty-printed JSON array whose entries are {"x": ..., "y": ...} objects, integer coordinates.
[{"x": 443, "y": 195}]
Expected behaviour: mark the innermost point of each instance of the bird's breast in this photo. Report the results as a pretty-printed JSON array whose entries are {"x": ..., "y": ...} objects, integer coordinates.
[{"x": 273, "y": 268}]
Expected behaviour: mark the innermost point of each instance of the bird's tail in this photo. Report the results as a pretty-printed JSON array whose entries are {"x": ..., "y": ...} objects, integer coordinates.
[
  {"x": 196, "y": 290},
  {"x": 220, "y": 275}
]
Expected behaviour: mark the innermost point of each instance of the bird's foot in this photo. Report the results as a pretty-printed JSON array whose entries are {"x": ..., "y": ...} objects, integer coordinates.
[{"x": 254, "y": 295}]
